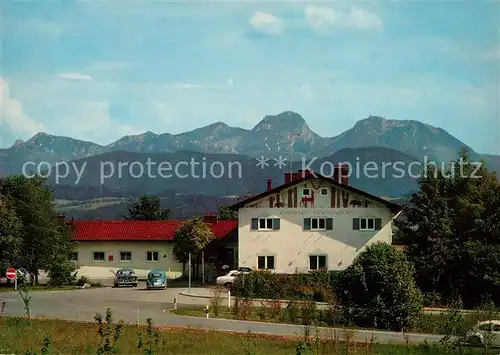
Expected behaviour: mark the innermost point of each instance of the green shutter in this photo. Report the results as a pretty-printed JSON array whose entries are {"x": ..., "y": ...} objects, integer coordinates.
[
  {"x": 355, "y": 224},
  {"x": 255, "y": 224},
  {"x": 276, "y": 223},
  {"x": 329, "y": 224},
  {"x": 378, "y": 224},
  {"x": 307, "y": 224}
]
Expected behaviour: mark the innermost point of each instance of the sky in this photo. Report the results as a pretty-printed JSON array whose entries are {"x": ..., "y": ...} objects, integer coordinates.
[{"x": 100, "y": 70}]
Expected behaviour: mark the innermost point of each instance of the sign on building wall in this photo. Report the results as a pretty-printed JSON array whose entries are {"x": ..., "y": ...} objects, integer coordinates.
[{"x": 314, "y": 212}]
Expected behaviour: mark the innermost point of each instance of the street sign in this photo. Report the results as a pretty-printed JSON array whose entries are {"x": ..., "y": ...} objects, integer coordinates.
[{"x": 11, "y": 274}]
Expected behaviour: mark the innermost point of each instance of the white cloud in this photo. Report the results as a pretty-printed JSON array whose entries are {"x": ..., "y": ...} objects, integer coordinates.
[
  {"x": 74, "y": 76},
  {"x": 230, "y": 82},
  {"x": 321, "y": 17},
  {"x": 90, "y": 120},
  {"x": 11, "y": 113},
  {"x": 267, "y": 23}
]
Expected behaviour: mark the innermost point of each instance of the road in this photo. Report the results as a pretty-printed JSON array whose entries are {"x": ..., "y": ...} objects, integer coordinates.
[{"x": 133, "y": 304}]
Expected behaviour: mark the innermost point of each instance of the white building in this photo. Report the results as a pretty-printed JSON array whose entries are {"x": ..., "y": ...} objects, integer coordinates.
[{"x": 311, "y": 222}]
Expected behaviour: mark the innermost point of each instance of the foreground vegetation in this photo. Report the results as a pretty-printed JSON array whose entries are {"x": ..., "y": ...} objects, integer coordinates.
[
  {"x": 451, "y": 321},
  {"x": 43, "y": 336}
]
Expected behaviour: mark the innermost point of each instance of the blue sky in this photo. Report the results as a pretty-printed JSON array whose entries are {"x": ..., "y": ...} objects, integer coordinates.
[{"x": 98, "y": 71}]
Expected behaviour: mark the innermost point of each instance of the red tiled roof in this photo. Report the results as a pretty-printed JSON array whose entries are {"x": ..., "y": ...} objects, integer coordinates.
[{"x": 125, "y": 230}]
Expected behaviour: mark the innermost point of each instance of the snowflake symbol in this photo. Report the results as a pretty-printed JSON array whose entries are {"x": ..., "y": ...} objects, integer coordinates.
[
  {"x": 262, "y": 162},
  {"x": 280, "y": 162}
]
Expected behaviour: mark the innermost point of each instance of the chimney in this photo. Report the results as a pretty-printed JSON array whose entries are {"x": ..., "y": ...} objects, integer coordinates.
[
  {"x": 269, "y": 184},
  {"x": 341, "y": 174},
  {"x": 210, "y": 217},
  {"x": 61, "y": 217}
]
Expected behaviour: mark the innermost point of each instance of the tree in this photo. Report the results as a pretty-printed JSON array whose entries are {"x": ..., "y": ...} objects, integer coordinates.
[
  {"x": 46, "y": 241},
  {"x": 453, "y": 232},
  {"x": 147, "y": 208},
  {"x": 379, "y": 287},
  {"x": 11, "y": 240},
  {"x": 224, "y": 212},
  {"x": 193, "y": 237}
]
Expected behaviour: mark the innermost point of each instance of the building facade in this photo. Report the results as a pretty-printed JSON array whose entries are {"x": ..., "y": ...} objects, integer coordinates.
[
  {"x": 311, "y": 222},
  {"x": 104, "y": 246}
]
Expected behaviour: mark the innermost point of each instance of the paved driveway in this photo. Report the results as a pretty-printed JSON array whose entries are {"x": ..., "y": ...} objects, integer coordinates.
[{"x": 130, "y": 303}]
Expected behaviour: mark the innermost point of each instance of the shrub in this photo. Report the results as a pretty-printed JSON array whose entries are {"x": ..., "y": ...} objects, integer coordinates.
[
  {"x": 62, "y": 274},
  {"x": 82, "y": 280},
  {"x": 317, "y": 285},
  {"x": 379, "y": 289}
]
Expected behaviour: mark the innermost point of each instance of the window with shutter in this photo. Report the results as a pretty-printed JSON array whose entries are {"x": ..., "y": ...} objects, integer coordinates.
[
  {"x": 366, "y": 224},
  {"x": 355, "y": 224},
  {"x": 255, "y": 223},
  {"x": 329, "y": 224},
  {"x": 378, "y": 224},
  {"x": 307, "y": 223},
  {"x": 266, "y": 224}
]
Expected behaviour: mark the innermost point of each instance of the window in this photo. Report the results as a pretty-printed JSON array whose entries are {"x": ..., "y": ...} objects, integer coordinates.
[
  {"x": 152, "y": 256},
  {"x": 99, "y": 256},
  {"x": 125, "y": 256},
  {"x": 316, "y": 224},
  {"x": 265, "y": 263},
  {"x": 317, "y": 262},
  {"x": 324, "y": 192},
  {"x": 74, "y": 256},
  {"x": 265, "y": 223},
  {"x": 306, "y": 192},
  {"x": 486, "y": 327},
  {"x": 367, "y": 224}
]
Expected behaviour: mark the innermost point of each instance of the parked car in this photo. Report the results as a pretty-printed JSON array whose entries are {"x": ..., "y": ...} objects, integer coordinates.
[
  {"x": 228, "y": 279},
  {"x": 485, "y": 332},
  {"x": 125, "y": 277},
  {"x": 157, "y": 279},
  {"x": 24, "y": 275}
]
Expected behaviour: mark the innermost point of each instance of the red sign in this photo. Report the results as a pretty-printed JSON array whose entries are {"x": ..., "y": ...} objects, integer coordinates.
[{"x": 11, "y": 274}]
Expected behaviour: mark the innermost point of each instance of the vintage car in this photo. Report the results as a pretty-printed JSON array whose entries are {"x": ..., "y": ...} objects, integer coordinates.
[
  {"x": 125, "y": 277},
  {"x": 157, "y": 279}
]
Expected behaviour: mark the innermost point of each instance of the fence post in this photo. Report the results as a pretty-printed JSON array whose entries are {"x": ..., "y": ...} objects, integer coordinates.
[
  {"x": 206, "y": 310},
  {"x": 229, "y": 298},
  {"x": 175, "y": 301}
]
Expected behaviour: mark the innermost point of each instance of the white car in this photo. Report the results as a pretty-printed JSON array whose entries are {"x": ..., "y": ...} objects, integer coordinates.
[
  {"x": 228, "y": 279},
  {"x": 486, "y": 332}
]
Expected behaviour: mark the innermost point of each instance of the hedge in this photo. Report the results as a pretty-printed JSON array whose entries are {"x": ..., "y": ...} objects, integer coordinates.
[{"x": 315, "y": 285}]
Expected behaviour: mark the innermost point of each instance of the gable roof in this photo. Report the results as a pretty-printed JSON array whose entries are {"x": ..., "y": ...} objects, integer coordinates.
[
  {"x": 126, "y": 230},
  {"x": 391, "y": 205}
]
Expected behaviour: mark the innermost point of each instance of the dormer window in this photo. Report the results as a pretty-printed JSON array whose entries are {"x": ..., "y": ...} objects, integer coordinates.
[{"x": 306, "y": 192}]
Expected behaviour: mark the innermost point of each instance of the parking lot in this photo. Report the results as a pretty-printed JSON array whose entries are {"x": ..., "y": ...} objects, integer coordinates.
[{"x": 126, "y": 303}]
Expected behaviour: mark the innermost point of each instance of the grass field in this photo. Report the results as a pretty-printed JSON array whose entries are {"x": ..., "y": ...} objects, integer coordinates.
[{"x": 21, "y": 336}]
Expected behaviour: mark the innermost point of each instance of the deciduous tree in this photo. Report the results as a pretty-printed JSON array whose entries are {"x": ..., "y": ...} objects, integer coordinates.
[
  {"x": 46, "y": 241},
  {"x": 193, "y": 237},
  {"x": 452, "y": 231},
  {"x": 224, "y": 212},
  {"x": 11, "y": 239},
  {"x": 379, "y": 288}
]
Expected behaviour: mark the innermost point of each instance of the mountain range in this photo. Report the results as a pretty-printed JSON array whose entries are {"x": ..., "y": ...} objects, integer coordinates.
[{"x": 373, "y": 139}]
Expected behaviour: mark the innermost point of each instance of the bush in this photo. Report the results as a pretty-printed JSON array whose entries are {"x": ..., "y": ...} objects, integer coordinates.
[
  {"x": 316, "y": 285},
  {"x": 82, "y": 281},
  {"x": 379, "y": 289},
  {"x": 62, "y": 274}
]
